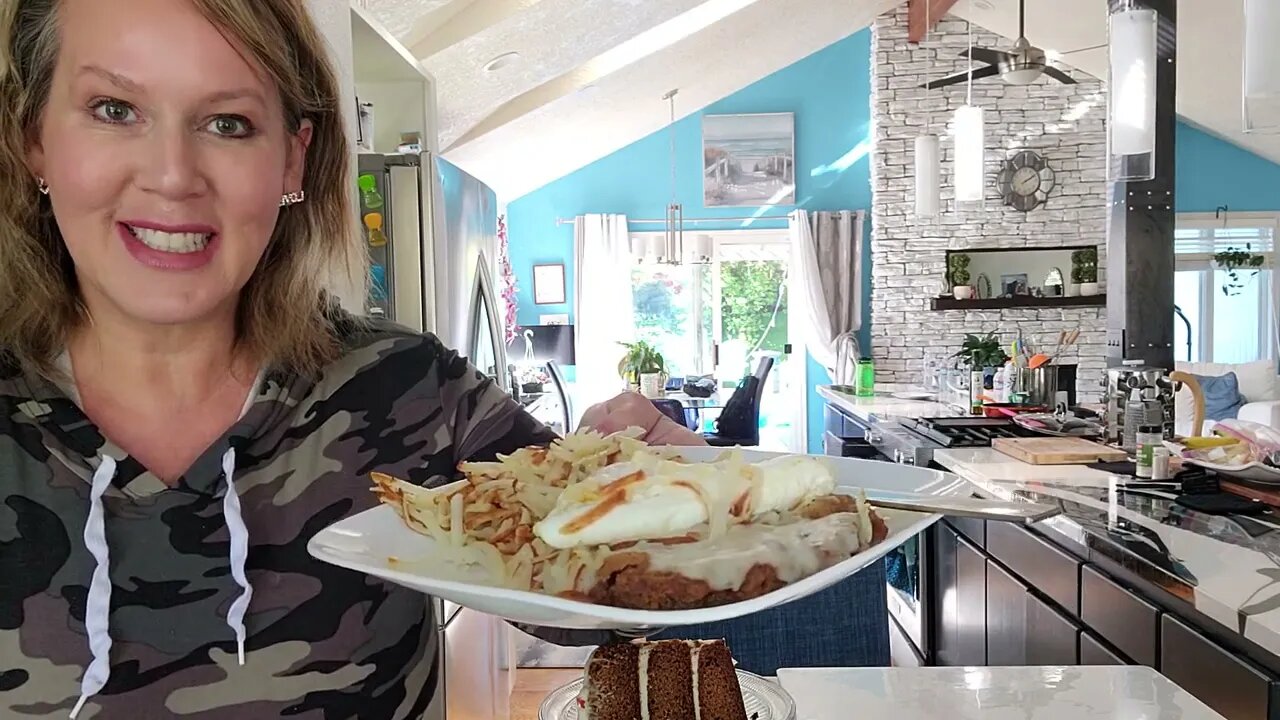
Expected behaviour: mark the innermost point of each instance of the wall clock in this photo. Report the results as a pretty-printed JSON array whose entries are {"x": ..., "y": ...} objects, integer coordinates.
[{"x": 1025, "y": 180}]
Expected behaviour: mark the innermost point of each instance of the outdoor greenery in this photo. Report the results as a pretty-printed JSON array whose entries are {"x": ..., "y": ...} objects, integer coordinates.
[
  {"x": 656, "y": 306},
  {"x": 749, "y": 292}
]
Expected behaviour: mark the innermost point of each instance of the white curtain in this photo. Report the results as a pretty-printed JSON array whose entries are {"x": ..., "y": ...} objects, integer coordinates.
[
  {"x": 826, "y": 278},
  {"x": 603, "y": 310}
]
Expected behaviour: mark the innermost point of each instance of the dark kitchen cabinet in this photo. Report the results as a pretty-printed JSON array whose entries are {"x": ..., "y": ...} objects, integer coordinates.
[
  {"x": 1119, "y": 616},
  {"x": 1094, "y": 651},
  {"x": 960, "y": 621},
  {"x": 1225, "y": 682},
  {"x": 1022, "y": 629}
]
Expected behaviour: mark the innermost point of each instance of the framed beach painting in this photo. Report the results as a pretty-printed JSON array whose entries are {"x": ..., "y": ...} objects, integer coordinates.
[{"x": 748, "y": 160}]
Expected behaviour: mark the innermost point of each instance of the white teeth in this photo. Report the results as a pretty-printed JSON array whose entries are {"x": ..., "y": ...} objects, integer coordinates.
[{"x": 171, "y": 242}]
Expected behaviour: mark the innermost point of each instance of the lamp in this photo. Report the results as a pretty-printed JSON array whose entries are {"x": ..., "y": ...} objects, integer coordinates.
[
  {"x": 928, "y": 161},
  {"x": 1132, "y": 93},
  {"x": 673, "y": 234},
  {"x": 970, "y": 154},
  {"x": 1261, "y": 66},
  {"x": 701, "y": 250},
  {"x": 969, "y": 135}
]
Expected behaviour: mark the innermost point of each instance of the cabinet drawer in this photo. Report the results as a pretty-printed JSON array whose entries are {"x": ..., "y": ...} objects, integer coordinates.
[
  {"x": 1119, "y": 616},
  {"x": 1052, "y": 572},
  {"x": 839, "y": 424},
  {"x": 1022, "y": 629},
  {"x": 1094, "y": 652},
  {"x": 975, "y": 531},
  {"x": 1229, "y": 685}
]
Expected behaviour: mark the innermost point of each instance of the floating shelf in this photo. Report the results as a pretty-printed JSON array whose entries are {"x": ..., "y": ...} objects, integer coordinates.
[{"x": 946, "y": 303}]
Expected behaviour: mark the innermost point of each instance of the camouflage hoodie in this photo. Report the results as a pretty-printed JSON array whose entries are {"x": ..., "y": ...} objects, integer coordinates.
[{"x": 138, "y": 605}]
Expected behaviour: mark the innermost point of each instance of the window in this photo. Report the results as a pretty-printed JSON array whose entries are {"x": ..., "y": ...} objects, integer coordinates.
[
  {"x": 1221, "y": 319},
  {"x": 724, "y": 317}
]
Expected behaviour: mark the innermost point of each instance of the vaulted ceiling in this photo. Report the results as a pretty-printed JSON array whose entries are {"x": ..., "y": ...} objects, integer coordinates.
[{"x": 588, "y": 76}]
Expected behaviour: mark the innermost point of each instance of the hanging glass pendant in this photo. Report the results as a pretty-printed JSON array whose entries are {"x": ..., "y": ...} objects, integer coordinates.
[
  {"x": 1261, "y": 66},
  {"x": 970, "y": 173},
  {"x": 1132, "y": 94},
  {"x": 928, "y": 177}
]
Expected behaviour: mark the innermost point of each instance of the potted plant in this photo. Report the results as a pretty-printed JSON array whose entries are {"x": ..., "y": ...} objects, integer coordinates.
[
  {"x": 981, "y": 352},
  {"x": 1236, "y": 261},
  {"x": 532, "y": 379},
  {"x": 958, "y": 274},
  {"x": 643, "y": 367},
  {"x": 1084, "y": 270}
]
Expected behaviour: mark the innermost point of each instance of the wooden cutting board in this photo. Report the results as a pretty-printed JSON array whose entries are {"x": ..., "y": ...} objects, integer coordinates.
[{"x": 1057, "y": 451}]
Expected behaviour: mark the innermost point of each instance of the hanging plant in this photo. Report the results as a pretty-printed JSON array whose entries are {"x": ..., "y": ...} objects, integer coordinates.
[
  {"x": 1236, "y": 263},
  {"x": 507, "y": 278}
]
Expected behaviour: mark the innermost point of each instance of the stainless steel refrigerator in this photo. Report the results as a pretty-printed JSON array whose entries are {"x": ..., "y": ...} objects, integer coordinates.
[{"x": 432, "y": 233}]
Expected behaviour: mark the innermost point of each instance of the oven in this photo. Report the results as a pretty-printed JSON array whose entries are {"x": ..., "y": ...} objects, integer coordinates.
[{"x": 907, "y": 567}]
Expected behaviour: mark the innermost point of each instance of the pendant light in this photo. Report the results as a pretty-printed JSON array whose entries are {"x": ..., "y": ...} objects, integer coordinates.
[
  {"x": 969, "y": 134},
  {"x": 673, "y": 245},
  {"x": 928, "y": 158},
  {"x": 1131, "y": 87},
  {"x": 1261, "y": 66}
]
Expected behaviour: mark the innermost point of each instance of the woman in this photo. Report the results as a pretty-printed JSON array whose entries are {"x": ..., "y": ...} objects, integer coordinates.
[{"x": 182, "y": 409}]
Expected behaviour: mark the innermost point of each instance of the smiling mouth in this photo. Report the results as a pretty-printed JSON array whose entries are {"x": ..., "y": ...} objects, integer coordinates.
[{"x": 171, "y": 242}]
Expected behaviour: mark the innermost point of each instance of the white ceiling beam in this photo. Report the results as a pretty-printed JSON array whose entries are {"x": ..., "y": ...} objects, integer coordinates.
[
  {"x": 626, "y": 53},
  {"x": 459, "y": 20}
]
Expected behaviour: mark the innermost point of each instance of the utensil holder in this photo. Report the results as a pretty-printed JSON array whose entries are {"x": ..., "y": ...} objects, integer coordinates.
[{"x": 1036, "y": 386}]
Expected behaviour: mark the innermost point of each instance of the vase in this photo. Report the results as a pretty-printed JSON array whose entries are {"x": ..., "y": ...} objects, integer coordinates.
[
  {"x": 1073, "y": 290},
  {"x": 1089, "y": 289},
  {"x": 651, "y": 385},
  {"x": 962, "y": 292}
]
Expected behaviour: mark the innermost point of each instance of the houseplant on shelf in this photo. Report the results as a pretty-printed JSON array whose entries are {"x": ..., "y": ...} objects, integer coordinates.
[
  {"x": 643, "y": 367},
  {"x": 958, "y": 274},
  {"x": 1084, "y": 270},
  {"x": 1234, "y": 261}
]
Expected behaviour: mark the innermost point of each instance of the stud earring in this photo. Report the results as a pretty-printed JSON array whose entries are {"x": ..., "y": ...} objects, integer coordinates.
[
  {"x": 292, "y": 198},
  {"x": 42, "y": 186}
]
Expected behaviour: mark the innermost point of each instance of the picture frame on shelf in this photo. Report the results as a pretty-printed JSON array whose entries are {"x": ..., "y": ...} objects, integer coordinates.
[
  {"x": 1014, "y": 285},
  {"x": 548, "y": 284}
]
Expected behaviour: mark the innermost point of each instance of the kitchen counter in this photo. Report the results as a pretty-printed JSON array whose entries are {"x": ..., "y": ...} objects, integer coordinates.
[
  {"x": 1209, "y": 561},
  {"x": 883, "y": 407}
]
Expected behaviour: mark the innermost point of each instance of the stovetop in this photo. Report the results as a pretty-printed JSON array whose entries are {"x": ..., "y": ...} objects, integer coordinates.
[{"x": 965, "y": 432}]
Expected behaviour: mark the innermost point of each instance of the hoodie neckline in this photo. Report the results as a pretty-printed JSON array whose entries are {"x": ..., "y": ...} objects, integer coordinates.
[{"x": 57, "y": 409}]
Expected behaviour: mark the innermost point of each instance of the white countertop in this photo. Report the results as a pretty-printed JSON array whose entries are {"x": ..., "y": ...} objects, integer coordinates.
[
  {"x": 882, "y": 406},
  {"x": 996, "y": 693},
  {"x": 1234, "y": 584}
]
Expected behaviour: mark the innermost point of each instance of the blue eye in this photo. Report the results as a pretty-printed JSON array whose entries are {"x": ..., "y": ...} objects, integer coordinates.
[
  {"x": 114, "y": 112},
  {"x": 230, "y": 126}
]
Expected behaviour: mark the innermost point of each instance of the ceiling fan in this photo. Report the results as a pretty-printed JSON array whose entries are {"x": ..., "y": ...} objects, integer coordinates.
[{"x": 1022, "y": 65}]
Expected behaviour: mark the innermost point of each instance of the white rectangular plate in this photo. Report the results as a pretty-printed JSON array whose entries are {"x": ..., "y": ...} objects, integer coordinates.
[{"x": 376, "y": 542}]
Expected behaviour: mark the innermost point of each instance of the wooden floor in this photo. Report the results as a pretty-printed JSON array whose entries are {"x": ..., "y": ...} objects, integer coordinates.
[{"x": 532, "y": 685}]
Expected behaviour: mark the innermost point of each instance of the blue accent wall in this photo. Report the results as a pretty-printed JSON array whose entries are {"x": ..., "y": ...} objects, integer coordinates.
[
  {"x": 829, "y": 93},
  {"x": 1213, "y": 172}
]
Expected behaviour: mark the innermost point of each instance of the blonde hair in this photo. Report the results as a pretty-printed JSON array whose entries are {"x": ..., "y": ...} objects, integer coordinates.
[{"x": 284, "y": 316}]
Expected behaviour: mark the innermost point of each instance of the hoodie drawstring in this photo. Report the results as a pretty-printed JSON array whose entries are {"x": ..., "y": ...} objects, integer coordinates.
[
  {"x": 239, "y": 550},
  {"x": 98, "y": 606},
  {"x": 97, "y": 610}
]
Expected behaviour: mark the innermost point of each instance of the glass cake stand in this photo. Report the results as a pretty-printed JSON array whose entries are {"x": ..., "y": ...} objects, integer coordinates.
[{"x": 764, "y": 700}]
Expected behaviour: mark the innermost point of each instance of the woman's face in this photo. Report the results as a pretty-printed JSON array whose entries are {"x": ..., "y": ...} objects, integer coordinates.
[{"x": 166, "y": 153}]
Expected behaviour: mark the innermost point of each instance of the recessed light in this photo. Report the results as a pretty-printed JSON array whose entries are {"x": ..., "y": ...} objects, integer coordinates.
[
  {"x": 982, "y": 4},
  {"x": 501, "y": 61}
]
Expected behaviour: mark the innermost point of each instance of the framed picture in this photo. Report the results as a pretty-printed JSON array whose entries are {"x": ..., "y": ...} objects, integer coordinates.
[
  {"x": 1014, "y": 285},
  {"x": 548, "y": 284},
  {"x": 748, "y": 160}
]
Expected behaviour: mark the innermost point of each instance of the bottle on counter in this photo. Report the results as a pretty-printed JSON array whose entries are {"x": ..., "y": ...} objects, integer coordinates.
[
  {"x": 864, "y": 381},
  {"x": 976, "y": 386},
  {"x": 1149, "y": 438},
  {"x": 1160, "y": 464}
]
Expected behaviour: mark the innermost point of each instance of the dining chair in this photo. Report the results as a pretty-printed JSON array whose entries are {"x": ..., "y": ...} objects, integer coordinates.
[
  {"x": 673, "y": 409},
  {"x": 562, "y": 390},
  {"x": 739, "y": 422}
]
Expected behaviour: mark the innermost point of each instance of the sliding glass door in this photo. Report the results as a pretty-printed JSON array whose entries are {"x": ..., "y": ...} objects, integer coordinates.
[{"x": 723, "y": 318}]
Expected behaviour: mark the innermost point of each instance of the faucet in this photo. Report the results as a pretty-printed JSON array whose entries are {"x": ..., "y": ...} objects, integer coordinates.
[{"x": 848, "y": 352}]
